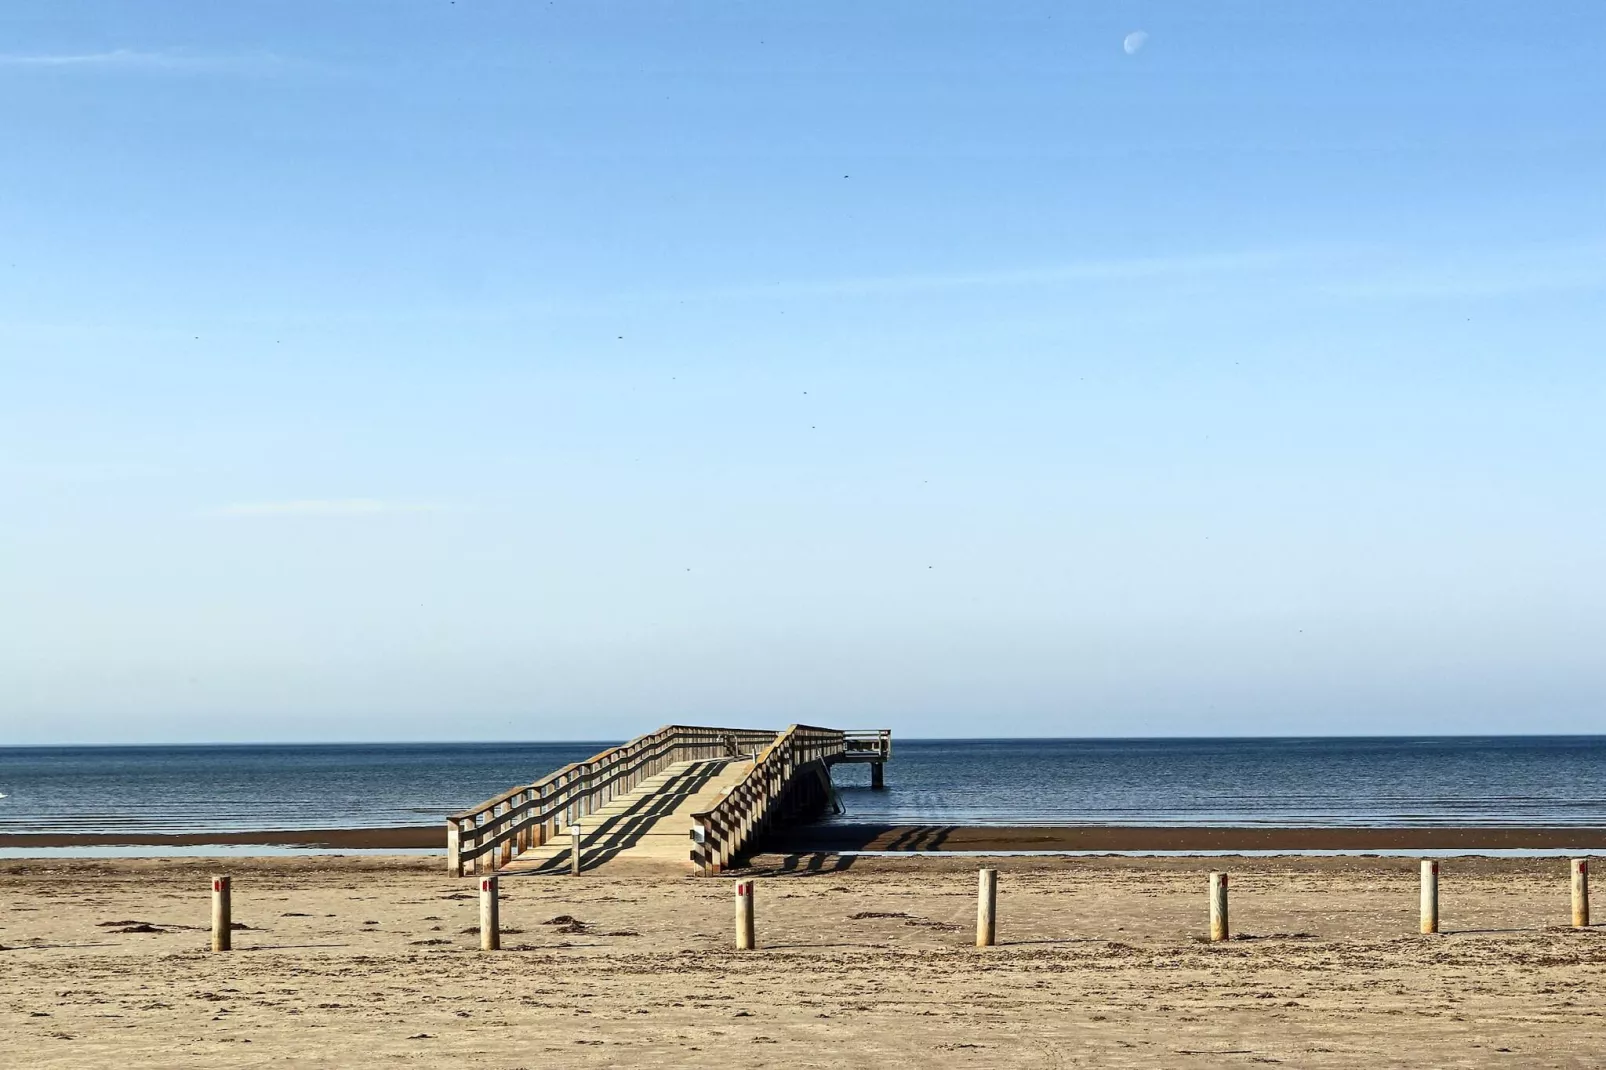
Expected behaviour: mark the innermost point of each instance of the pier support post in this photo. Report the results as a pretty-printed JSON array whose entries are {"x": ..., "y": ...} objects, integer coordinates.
[
  {"x": 490, "y": 915},
  {"x": 1580, "y": 868},
  {"x": 1430, "y": 895},
  {"x": 222, "y": 914},
  {"x": 878, "y": 776},
  {"x": 986, "y": 907},
  {"x": 745, "y": 940},
  {"x": 1219, "y": 925},
  {"x": 454, "y": 849},
  {"x": 575, "y": 832}
]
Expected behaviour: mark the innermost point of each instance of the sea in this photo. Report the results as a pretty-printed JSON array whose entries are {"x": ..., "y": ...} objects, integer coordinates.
[{"x": 1526, "y": 781}]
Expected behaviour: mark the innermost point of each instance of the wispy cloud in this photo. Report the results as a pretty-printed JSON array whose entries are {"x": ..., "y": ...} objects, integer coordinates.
[
  {"x": 1178, "y": 269},
  {"x": 134, "y": 60},
  {"x": 1117, "y": 269},
  {"x": 1470, "y": 274},
  {"x": 326, "y": 507},
  {"x": 1352, "y": 269}
]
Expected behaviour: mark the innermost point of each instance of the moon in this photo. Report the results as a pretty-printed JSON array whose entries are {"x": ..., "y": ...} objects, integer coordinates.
[{"x": 1134, "y": 41}]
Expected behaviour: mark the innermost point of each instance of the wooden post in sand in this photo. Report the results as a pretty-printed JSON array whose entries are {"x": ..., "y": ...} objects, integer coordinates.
[
  {"x": 744, "y": 916},
  {"x": 1430, "y": 895},
  {"x": 986, "y": 907},
  {"x": 574, "y": 849},
  {"x": 222, "y": 914},
  {"x": 1580, "y": 869},
  {"x": 1219, "y": 929},
  {"x": 490, "y": 915}
]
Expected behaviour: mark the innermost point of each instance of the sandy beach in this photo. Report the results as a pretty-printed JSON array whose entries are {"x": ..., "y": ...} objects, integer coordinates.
[{"x": 374, "y": 961}]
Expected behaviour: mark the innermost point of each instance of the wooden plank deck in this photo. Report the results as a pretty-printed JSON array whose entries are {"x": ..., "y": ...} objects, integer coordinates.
[
  {"x": 652, "y": 824},
  {"x": 730, "y": 785}
]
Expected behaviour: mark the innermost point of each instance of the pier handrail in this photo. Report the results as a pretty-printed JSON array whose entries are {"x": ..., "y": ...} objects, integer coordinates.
[
  {"x": 723, "y": 831},
  {"x": 873, "y": 741},
  {"x": 497, "y": 830}
]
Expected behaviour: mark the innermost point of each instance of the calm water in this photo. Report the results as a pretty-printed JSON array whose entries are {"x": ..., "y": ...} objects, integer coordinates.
[
  {"x": 182, "y": 789},
  {"x": 1554, "y": 781},
  {"x": 1532, "y": 781}
]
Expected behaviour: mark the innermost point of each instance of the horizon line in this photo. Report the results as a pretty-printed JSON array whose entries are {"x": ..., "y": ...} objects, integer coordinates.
[{"x": 612, "y": 741}]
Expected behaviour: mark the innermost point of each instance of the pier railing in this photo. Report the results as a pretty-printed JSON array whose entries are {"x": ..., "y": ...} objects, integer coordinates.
[
  {"x": 868, "y": 745},
  {"x": 781, "y": 779},
  {"x": 485, "y": 837}
]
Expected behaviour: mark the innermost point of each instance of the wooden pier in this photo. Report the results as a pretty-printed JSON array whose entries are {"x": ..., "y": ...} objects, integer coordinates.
[{"x": 681, "y": 795}]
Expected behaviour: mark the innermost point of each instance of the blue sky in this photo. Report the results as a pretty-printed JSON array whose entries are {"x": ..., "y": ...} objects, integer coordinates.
[{"x": 501, "y": 370}]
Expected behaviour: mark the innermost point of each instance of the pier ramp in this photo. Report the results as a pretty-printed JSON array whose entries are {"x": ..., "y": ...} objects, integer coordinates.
[{"x": 685, "y": 796}]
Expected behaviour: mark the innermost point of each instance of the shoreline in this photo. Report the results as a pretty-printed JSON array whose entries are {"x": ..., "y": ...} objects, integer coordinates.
[
  {"x": 912, "y": 839},
  {"x": 410, "y": 837},
  {"x": 974, "y": 838}
]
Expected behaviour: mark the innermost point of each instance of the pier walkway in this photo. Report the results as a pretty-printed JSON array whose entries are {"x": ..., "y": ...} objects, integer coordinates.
[
  {"x": 651, "y": 824},
  {"x": 682, "y": 796}
]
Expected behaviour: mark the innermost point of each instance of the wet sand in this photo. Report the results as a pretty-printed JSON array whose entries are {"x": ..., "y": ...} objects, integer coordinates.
[
  {"x": 846, "y": 837},
  {"x": 417, "y": 837},
  {"x": 1175, "y": 838},
  {"x": 864, "y": 962}
]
